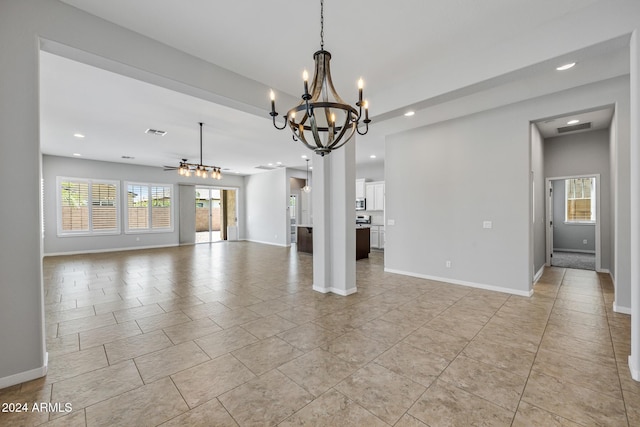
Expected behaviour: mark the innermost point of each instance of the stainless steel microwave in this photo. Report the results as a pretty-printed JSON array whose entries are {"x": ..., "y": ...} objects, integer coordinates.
[{"x": 361, "y": 204}]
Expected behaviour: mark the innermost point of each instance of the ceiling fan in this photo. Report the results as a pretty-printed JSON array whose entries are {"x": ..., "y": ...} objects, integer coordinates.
[{"x": 198, "y": 169}]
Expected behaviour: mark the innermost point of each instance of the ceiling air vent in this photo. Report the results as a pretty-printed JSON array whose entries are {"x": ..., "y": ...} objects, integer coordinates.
[
  {"x": 270, "y": 167},
  {"x": 573, "y": 128},
  {"x": 156, "y": 132}
]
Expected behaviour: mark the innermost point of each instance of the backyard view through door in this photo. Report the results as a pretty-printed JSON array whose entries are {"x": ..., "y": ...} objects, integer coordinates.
[{"x": 215, "y": 215}]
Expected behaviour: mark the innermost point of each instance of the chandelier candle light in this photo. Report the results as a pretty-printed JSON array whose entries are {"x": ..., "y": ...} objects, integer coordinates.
[
  {"x": 200, "y": 170},
  {"x": 326, "y": 122}
]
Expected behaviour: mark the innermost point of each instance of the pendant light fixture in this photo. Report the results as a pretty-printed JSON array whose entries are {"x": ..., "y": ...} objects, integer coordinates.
[
  {"x": 198, "y": 169},
  {"x": 306, "y": 187},
  {"x": 322, "y": 121}
]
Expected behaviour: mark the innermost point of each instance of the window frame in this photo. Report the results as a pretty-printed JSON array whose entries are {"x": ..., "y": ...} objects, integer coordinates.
[
  {"x": 149, "y": 229},
  {"x": 90, "y": 231},
  {"x": 592, "y": 198}
]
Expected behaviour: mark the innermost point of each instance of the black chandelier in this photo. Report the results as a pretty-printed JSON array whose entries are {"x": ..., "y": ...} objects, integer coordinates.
[
  {"x": 198, "y": 169},
  {"x": 323, "y": 121}
]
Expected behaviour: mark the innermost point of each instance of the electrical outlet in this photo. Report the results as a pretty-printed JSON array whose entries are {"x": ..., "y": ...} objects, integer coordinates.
[
  {"x": 584, "y": 242},
  {"x": 447, "y": 264}
]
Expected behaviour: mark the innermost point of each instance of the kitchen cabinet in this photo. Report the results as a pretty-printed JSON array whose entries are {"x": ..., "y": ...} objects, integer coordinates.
[
  {"x": 374, "y": 193},
  {"x": 360, "y": 191},
  {"x": 363, "y": 244},
  {"x": 377, "y": 236}
]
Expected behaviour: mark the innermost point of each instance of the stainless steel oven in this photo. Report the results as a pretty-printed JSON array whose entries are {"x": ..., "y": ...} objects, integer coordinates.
[
  {"x": 361, "y": 204},
  {"x": 363, "y": 219}
]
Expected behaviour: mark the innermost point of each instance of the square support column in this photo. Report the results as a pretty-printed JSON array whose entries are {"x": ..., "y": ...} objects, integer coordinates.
[{"x": 334, "y": 222}]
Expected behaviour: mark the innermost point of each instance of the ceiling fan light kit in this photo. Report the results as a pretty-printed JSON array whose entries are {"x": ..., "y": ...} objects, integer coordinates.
[
  {"x": 322, "y": 121},
  {"x": 198, "y": 169}
]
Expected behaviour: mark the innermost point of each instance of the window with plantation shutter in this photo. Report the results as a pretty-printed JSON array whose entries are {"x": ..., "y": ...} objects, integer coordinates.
[
  {"x": 580, "y": 200},
  {"x": 87, "y": 206},
  {"x": 149, "y": 208}
]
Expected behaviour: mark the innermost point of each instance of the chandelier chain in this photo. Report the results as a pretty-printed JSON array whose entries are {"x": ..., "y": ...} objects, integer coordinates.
[{"x": 321, "y": 24}]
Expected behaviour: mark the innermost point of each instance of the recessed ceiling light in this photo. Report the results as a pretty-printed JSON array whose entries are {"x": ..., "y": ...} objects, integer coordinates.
[
  {"x": 373, "y": 156},
  {"x": 156, "y": 132},
  {"x": 278, "y": 163},
  {"x": 304, "y": 156},
  {"x": 566, "y": 66},
  {"x": 77, "y": 154},
  {"x": 409, "y": 113},
  {"x": 270, "y": 164},
  {"x": 127, "y": 157},
  {"x": 573, "y": 122},
  {"x": 78, "y": 135}
]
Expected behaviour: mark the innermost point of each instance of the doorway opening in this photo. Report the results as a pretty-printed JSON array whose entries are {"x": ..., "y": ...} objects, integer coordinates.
[
  {"x": 573, "y": 222},
  {"x": 216, "y": 217}
]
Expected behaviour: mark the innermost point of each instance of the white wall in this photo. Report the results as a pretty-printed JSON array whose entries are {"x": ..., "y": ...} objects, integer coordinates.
[
  {"x": 539, "y": 192},
  {"x": 450, "y": 177},
  {"x": 267, "y": 201},
  {"x": 370, "y": 171},
  {"x": 613, "y": 185},
  {"x": 54, "y": 166},
  {"x": 444, "y": 180},
  {"x": 187, "y": 214},
  {"x": 21, "y": 297}
]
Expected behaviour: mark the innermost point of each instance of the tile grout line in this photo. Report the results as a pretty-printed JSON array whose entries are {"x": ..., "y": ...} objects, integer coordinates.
[{"x": 538, "y": 347}]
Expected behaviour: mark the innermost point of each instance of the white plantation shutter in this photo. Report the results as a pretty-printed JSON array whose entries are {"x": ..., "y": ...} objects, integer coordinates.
[
  {"x": 137, "y": 210},
  {"x": 104, "y": 207},
  {"x": 87, "y": 206},
  {"x": 161, "y": 207},
  {"x": 149, "y": 207},
  {"x": 580, "y": 205}
]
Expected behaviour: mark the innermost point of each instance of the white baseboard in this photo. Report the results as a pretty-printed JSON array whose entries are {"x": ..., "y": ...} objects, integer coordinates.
[
  {"x": 581, "y": 251},
  {"x": 538, "y": 274},
  {"x": 23, "y": 377},
  {"x": 635, "y": 370},
  {"x": 463, "y": 283},
  {"x": 267, "y": 243},
  {"x": 336, "y": 291},
  {"x": 621, "y": 309},
  {"x": 99, "y": 251}
]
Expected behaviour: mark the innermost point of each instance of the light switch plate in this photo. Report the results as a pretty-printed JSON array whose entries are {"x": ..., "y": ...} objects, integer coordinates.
[
  {"x": 487, "y": 224},
  {"x": 391, "y": 222}
]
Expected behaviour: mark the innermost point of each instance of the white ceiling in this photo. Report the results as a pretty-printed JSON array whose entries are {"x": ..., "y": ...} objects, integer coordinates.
[{"x": 399, "y": 48}]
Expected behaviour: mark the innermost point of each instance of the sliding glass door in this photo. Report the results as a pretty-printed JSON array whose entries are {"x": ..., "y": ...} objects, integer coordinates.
[{"x": 216, "y": 217}]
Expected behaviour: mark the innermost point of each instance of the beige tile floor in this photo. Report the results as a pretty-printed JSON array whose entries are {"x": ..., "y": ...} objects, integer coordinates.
[{"x": 232, "y": 334}]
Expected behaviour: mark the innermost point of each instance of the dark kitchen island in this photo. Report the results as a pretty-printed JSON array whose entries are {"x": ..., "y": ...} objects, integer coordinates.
[{"x": 363, "y": 242}]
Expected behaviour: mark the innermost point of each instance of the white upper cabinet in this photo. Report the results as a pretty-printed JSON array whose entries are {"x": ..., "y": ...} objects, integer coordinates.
[{"x": 374, "y": 193}]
